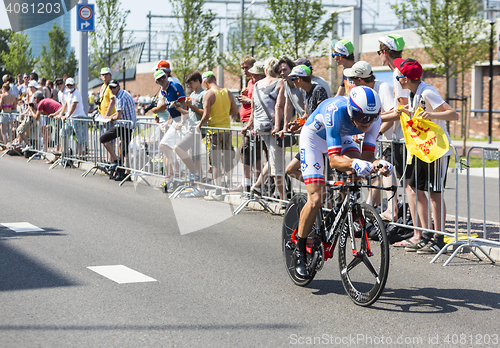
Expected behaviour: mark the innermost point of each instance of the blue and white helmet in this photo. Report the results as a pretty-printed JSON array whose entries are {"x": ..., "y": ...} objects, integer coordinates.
[{"x": 363, "y": 105}]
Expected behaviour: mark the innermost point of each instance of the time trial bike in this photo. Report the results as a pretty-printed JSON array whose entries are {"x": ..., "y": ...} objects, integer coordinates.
[{"x": 363, "y": 263}]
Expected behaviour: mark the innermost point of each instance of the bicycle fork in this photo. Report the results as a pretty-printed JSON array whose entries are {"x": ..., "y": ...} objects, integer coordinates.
[{"x": 365, "y": 244}]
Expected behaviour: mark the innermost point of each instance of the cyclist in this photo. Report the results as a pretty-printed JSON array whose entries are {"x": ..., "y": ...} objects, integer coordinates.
[{"x": 329, "y": 129}]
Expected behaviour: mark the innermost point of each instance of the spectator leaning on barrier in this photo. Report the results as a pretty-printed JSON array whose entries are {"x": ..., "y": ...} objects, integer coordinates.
[
  {"x": 218, "y": 105},
  {"x": 23, "y": 88},
  {"x": 125, "y": 110},
  {"x": 172, "y": 95},
  {"x": 61, "y": 91},
  {"x": 106, "y": 102},
  {"x": 390, "y": 48},
  {"x": 343, "y": 53},
  {"x": 430, "y": 176},
  {"x": 361, "y": 75},
  {"x": 314, "y": 94},
  {"x": 267, "y": 111},
  {"x": 192, "y": 140},
  {"x": 13, "y": 88},
  {"x": 294, "y": 98},
  {"x": 43, "y": 106}
]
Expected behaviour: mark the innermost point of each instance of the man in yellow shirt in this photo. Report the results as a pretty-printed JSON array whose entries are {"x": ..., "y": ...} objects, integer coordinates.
[
  {"x": 106, "y": 103},
  {"x": 218, "y": 104}
]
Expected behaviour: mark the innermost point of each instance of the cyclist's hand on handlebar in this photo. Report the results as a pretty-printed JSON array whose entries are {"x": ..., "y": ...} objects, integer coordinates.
[
  {"x": 385, "y": 168},
  {"x": 362, "y": 168}
]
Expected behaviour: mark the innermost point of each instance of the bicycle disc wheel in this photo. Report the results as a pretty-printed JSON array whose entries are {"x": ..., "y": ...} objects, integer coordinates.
[
  {"x": 290, "y": 224},
  {"x": 364, "y": 270}
]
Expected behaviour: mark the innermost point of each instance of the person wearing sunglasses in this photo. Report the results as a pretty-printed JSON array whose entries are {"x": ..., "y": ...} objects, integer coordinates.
[
  {"x": 343, "y": 53},
  {"x": 427, "y": 177},
  {"x": 329, "y": 130}
]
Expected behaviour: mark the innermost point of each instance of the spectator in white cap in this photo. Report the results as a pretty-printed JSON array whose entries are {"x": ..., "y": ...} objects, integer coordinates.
[
  {"x": 343, "y": 53},
  {"x": 361, "y": 74},
  {"x": 390, "y": 48},
  {"x": 106, "y": 101}
]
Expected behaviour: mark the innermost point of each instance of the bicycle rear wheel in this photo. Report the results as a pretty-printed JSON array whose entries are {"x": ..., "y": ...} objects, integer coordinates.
[
  {"x": 364, "y": 270},
  {"x": 290, "y": 224}
]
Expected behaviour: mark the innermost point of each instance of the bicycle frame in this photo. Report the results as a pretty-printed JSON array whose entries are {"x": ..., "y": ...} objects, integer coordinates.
[{"x": 345, "y": 210}]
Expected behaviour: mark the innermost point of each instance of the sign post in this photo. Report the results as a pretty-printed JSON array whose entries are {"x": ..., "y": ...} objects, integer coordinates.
[{"x": 85, "y": 22}]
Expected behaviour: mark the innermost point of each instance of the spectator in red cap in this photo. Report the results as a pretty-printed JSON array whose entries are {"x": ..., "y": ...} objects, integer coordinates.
[{"x": 429, "y": 176}]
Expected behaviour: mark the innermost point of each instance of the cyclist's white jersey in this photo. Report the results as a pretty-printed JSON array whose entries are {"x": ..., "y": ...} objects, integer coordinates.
[{"x": 329, "y": 130}]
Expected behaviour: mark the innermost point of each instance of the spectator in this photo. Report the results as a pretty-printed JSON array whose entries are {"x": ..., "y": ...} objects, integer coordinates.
[
  {"x": 192, "y": 140},
  {"x": 361, "y": 75},
  {"x": 218, "y": 104},
  {"x": 43, "y": 106},
  {"x": 13, "y": 88},
  {"x": 72, "y": 108},
  {"x": 61, "y": 91},
  {"x": 20, "y": 79},
  {"x": 315, "y": 79},
  {"x": 91, "y": 102},
  {"x": 23, "y": 88},
  {"x": 45, "y": 89},
  {"x": 50, "y": 86},
  {"x": 172, "y": 95},
  {"x": 430, "y": 176},
  {"x": 165, "y": 66},
  {"x": 245, "y": 98},
  {"x": 106, "y": 103},
  {"x": 125, "y": 110},
  {"x": 267, "y": 111},
  {"x": 344, "y": 55},
  {"x": 7, "y": 103},
  {"x": 314, "y": 94},
  {"x": 390, "y": 48}
]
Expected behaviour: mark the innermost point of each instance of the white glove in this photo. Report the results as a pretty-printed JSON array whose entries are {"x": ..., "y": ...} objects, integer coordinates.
[
  {"x": 389, "y": 166},
  {"x": 362, "y": 168}
]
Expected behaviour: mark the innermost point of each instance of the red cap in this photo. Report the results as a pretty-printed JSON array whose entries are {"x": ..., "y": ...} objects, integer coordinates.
[
  {"x": 163, "y": 64},
  {"x": 409, "y": 68}
]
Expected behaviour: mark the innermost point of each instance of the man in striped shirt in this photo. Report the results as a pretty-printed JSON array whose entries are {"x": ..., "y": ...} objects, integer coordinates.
[{"x": 125, "y": 110}]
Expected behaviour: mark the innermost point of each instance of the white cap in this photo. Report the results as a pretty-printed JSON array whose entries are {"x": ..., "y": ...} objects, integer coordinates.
[
  {"x": 33, "y": 83},
  {"x": 70, "y": 81},
  {"x": 360, "y": 69}
]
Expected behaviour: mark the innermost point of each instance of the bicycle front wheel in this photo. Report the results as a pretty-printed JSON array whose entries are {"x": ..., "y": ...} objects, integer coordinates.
[{"x": 364, "y": 263}]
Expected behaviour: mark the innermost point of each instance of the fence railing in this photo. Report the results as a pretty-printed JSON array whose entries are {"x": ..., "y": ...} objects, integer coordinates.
[{"x": 260, "y": 167}]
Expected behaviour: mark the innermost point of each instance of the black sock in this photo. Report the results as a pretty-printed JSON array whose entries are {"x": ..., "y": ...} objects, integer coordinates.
[{"x": 301, "y": 244}]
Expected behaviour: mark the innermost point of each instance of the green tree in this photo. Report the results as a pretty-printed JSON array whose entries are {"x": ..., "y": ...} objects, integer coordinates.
[
  {"x": 4, "y": 47},
  {"x": 109, "y": 33},
  {"x": 452, "y": 32},
  {"x": 194, "y": 50},
  {"x": 57, "y": 60},
  {"x": 238, "y": 46},
  {"x": 19, "y": 58},
  {"x": 296, "y": 27}
]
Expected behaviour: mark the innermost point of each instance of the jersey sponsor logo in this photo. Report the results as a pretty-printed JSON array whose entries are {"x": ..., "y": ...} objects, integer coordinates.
[
  {"x": 328, "y": 120},
  {"x": 318, "y": 125},
  {"x": 317, "y": 166},
  {"x": 302, "y": 156},
  {"x": 347, "y": 142},
  {"x": 303, "y": 166}
]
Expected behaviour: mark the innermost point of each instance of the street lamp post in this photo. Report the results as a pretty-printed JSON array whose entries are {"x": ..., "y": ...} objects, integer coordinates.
[{"x": 251, "y": 40}]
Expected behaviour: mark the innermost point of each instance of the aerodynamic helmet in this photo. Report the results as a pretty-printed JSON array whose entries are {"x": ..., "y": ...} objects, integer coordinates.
[{"x": 363, "y": 105}]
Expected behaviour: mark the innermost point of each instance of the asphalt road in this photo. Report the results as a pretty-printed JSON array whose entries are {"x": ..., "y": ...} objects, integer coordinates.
[{"x": 220, "y": 286}]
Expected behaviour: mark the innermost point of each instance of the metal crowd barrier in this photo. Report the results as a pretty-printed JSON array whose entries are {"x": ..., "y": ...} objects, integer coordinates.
[{"x": 224, "y": 160}]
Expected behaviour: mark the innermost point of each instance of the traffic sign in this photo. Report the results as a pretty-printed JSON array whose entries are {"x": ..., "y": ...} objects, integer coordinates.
[{"x": 85, "y": 17}]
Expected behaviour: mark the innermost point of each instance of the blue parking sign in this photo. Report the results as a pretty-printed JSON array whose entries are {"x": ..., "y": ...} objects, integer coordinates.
[{"x": 85, "y": 17}]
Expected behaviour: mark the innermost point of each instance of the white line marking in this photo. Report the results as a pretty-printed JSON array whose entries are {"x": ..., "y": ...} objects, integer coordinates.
[
  {"x": 121, "y": 274},
  {"x": 22, "y": 227}
]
